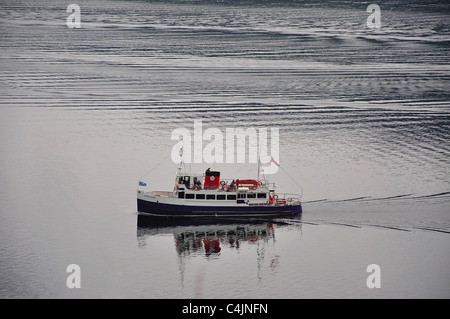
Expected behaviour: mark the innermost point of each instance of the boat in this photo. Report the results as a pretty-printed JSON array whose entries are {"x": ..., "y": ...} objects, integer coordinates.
[{"x": 208, "y": 194}]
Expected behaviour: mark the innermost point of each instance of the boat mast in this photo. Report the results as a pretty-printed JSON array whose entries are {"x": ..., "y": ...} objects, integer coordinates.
[
  {"x": 259, "y": 164},
  {"x": 181, "y": 156}
]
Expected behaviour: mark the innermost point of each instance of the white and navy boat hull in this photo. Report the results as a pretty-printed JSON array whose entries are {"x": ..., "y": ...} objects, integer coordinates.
[{"x": 162, "y": 206}]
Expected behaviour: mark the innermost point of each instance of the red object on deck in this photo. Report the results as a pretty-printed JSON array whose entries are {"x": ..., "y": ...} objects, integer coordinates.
[
  {"x": 250, "y": 183},
  {"x": 212, "y": 179}
]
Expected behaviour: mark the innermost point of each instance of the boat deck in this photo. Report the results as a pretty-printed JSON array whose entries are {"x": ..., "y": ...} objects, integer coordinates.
[{"x": 283, "y": 200}]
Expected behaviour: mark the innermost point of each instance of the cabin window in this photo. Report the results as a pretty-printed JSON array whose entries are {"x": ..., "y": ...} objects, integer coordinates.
[
  {"x": 180, "y": 194},
  {"x": 200, "y": 196},
  {"x": 197, "y": 182},
  {"x": 251, "y": 195},
  {"x": 242, "y": 195},
  {"x": 187, "y": 181},
  {"x": 231, "y": 197},
  {"x": 221, "y": 197},
  {"x": 210, "y": 196},
  {"x": 262, "y": 195},
  {"x": 190, "y": 196}
]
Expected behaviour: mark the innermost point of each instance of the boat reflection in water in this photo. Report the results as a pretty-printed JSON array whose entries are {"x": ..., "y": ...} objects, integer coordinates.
[{"x": 209, "y": 236}]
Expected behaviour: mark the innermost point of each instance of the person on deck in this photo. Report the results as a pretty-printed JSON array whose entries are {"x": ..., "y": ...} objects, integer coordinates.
[{"x": 232, "y": 186}]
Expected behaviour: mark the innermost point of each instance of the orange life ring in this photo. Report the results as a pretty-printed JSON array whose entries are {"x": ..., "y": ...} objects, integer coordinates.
[
  {"x": 222, "y": 183},
  {"x": 268, "y": 202},
  {"x": 275, "y": 196},
  {"x": 259, "y": 183},
  {"x": 196, "y": 188},
  {"x": 225, "y": 188}
]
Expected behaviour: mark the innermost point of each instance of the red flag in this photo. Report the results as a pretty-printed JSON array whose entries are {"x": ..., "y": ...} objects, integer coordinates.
[{"x": 273, "y": 161}]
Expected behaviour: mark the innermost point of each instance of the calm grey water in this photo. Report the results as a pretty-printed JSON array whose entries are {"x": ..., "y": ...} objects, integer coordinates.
[{"x": 364, "y": 119}]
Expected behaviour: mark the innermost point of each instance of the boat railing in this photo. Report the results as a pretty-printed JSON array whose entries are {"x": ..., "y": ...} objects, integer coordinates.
[
  {"x": 250, "y": 184},
  {"x": 287, "y": 199},
  {"x": 232, "y": 185}
]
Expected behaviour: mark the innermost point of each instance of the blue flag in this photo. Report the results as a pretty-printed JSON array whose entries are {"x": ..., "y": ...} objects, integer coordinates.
[{"x": 142, "y": 183}]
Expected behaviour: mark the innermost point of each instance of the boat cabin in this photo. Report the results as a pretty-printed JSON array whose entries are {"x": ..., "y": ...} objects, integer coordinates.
[{"x": 209, "y": 186}]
